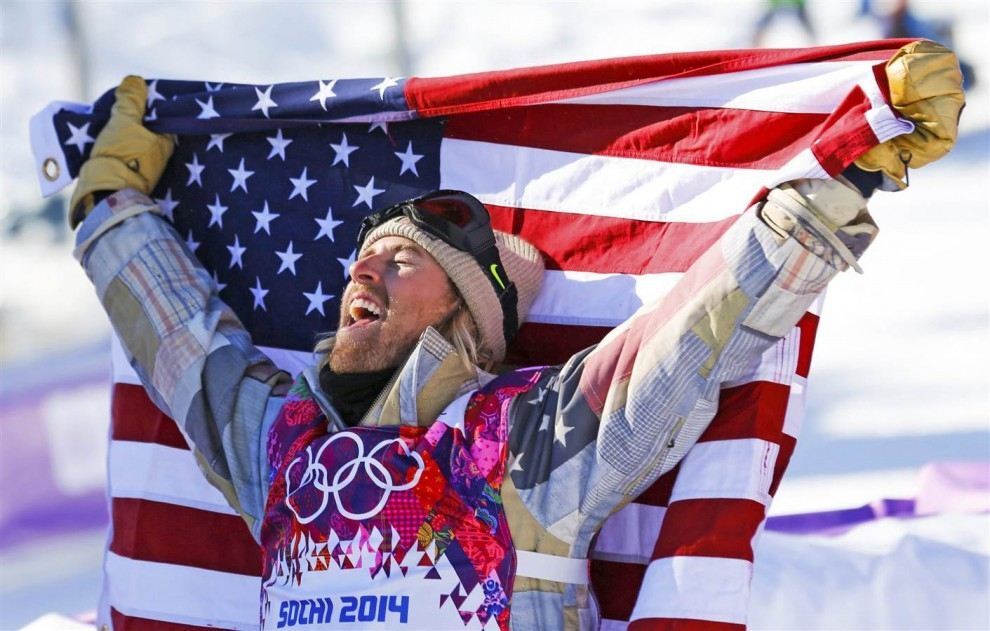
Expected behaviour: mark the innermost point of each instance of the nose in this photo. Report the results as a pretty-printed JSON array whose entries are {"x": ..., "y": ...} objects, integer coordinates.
[{"x": 366, "y": 270}]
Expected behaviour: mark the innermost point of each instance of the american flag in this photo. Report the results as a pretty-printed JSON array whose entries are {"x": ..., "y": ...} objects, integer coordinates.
[{"x": 621, "y": 171}]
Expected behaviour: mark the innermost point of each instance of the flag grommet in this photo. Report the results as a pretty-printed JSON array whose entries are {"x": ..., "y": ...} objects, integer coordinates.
[{"x": 50, "y": 169}]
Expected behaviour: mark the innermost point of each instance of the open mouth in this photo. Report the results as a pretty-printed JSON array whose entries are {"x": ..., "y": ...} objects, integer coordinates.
[{"x": 363, "y": 312}]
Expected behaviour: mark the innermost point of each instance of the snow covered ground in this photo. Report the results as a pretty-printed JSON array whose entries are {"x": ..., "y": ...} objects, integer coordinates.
[{"x": 899, "y": 377}]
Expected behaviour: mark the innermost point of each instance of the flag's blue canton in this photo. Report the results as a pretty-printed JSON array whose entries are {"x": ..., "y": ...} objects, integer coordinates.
[{"x": 274, "y": 214}]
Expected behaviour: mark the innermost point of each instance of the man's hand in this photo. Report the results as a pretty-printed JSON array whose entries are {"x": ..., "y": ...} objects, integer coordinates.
[
  {"x": 125, "y": 155},
  {"x": 926, "y": 88}
]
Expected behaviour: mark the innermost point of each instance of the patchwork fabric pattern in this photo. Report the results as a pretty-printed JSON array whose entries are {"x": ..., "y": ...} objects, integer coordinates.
[{"x": 406, "y": 521}]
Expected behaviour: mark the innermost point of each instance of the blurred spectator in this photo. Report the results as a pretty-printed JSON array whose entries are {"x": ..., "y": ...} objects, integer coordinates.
[{"x": 774, "y": 8}]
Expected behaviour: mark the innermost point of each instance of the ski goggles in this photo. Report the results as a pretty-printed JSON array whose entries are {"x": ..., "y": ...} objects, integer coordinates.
[{"x": 462, "y": 222}]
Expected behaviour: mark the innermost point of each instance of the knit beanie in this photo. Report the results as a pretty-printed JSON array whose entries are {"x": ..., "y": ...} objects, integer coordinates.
[{"x": 521, "y": 260}]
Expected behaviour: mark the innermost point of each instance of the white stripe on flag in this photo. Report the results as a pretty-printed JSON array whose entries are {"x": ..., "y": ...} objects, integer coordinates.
[
  {"x": 613, "y": 625},
  {"x": 293, "y": 362},
  {"x": 627, "y": 188},
  {"x": 819, "y": 303},
  {"x": 161, "y": 474},
  {"x": 630, "y": 534},
  {"x": 594, "y": 299},
  {"x": 794, "y": 416},
  {"x": 885, "y": 124},
  {"x": 799, "y": 88},
  {"x": 158, "y": 590},
  {"x": 684, "y": 587},
  {"x": 730, "y": 469}
]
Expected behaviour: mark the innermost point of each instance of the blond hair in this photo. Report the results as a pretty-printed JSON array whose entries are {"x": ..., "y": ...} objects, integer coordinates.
[{"x": 462, "y": 332}]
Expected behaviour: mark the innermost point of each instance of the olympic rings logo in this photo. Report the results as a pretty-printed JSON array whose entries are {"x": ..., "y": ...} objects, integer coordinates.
[{"x": 316, "y": 474}]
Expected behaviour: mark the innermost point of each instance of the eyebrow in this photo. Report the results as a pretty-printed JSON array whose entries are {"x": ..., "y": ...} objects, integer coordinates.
[{"x": 406, "y": 247}]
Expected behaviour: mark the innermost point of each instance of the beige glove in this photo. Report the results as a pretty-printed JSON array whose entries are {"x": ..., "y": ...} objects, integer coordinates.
[
  {"x": 125, "y": 155},
  {"x": 926, "y": 88}
]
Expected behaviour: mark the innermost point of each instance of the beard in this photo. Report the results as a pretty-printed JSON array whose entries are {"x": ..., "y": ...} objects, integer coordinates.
[
  {"x": 370, "y": 351},
  {"x": 381, "y": 344}
]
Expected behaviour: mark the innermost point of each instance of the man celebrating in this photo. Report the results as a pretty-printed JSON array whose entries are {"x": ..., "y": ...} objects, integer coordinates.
[{"x": 398, "y": 482}]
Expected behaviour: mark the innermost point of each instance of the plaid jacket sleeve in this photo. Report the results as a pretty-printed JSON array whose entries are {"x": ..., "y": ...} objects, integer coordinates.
[{"x": 190, "y": 351}]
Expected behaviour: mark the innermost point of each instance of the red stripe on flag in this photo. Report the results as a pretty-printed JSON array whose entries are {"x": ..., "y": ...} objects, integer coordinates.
[
  {"x": 808, "y": 324},
  {"x": 179, "y": 535},
  {"x": 443, "y": 96},
  {"x": 592, "y": 243},
  {"x": 700, "y": 136},
  {"x": 847, "y": 134},
  {"x": 752, "y": 410},
  {"x": 136, "y": 418},
  {"x": 549, "y": 344},
  {"x": 682, "y": 624},
  {"x": 658, "y": 494},
  {"x": 621, "y": 582},
  {"x": 787, "y": 444},
  {"x": 122, "y": 622},
  {"x": 709, "y": 528}
]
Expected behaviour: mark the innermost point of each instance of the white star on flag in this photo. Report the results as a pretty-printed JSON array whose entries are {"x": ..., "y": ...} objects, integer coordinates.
[
  {"x": 540, "y": 395},
  {"x": 367, "y": 192},
  {"x": 409, "y": 160},
  {"x": 212, "y": 87},
  {"x": 191, "y": 243},
  {"x": 316, "y": 299},
  {"x": 289, "y": 259},
  {"x": 216, "y": 213},
  {"x": 153, "y": 93},
  {"x": 278, "y": 144},
  {"x": 385, "y": 84},
  {"x": 326, "y": 92},
  {"x": 382, "y": 125},
  {"x": 216, "y": 140},
  {"x": 195, "y": 171},
  {"x": 343, "y": 151},
  {"x": 263, "y": 219},
  {"x": 236, "y": 252},
  {"x": 216, "y": 281},
  {"x": 153, "y": 116},
  {"x": 560, "y": 432},
  {"x": 544, "y": 423},
  {"x": 347, "y": 263},
  {"x": 240, "y": 176},
  {"x": 259, "y": 294},
  {"x": 167, "y": 204},
  {"x": 300, "y": 185},
  {"x": 80, "y": 137},
  {"x": 264, "y": 101},
  {"x": 327, "y": 225},
  {"x": 517, "y": 463},
  {"x": 207, "y": 109}
]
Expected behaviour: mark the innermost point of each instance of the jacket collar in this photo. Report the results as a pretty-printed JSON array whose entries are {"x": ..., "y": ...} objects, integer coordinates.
[{"x": 431, "y": 377}]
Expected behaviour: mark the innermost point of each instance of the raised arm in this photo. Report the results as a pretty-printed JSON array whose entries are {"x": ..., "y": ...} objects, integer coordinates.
[
  {"x": 627, "y": 410},
  {"x": 617, "y": 416},
  {"x": 187, "y": 346}
]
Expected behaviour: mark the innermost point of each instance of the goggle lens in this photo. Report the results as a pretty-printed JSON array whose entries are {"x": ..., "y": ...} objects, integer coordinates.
[{"x": 448, "y": 209}]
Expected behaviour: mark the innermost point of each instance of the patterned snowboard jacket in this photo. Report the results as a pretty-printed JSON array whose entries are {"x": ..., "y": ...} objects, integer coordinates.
[{"x": 582, "y": 439}]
